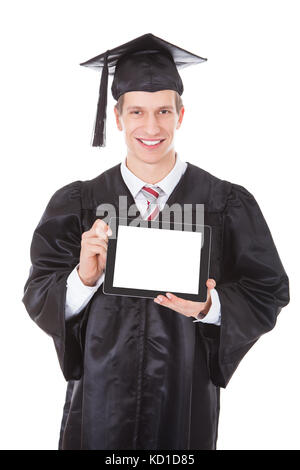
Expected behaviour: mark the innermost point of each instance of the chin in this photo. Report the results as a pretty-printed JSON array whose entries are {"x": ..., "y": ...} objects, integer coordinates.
[{"x": 152, "y": 158}]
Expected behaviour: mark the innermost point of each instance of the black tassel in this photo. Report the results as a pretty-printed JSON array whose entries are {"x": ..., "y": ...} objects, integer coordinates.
[{"x": 100, "y": 123}]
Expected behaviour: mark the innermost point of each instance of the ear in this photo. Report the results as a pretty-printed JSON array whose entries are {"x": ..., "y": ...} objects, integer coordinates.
[
  {"x": 118, "y": 119},
  {"x": 180, "y": 118}
]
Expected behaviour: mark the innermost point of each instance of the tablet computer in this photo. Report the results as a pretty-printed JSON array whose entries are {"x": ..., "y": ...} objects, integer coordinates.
[{"x": 148, "y": 258}]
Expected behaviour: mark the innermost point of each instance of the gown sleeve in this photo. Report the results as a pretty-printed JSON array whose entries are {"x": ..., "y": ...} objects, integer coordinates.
[
  {"x": 54, "y": 252},
  {"x": 253, "y": 289}
]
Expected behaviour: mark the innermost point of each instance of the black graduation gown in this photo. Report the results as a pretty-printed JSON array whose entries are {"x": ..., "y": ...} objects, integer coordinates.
[{"x": 141, "y": 376}]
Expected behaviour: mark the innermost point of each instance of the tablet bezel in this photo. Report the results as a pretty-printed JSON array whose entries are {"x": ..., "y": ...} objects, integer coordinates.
[{"x": 108, "y": 287}]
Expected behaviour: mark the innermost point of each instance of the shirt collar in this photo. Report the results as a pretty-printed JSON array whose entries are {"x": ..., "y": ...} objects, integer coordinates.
[{"x": 167, "y": 184}]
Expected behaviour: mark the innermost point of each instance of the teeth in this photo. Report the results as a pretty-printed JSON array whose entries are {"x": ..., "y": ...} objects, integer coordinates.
[{"x": 153, "y": 142}]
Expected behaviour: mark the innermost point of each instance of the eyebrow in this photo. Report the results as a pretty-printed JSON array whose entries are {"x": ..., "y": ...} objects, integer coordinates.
[{"x": 140, "y": 107}]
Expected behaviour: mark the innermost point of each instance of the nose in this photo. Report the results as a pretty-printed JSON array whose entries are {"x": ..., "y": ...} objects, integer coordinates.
[{"x": 151, "y": 125}]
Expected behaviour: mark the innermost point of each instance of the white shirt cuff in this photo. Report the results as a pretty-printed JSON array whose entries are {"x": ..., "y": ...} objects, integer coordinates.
[
  {"x": 78, "y": 294},
  {"x": 214, "y": 313}
]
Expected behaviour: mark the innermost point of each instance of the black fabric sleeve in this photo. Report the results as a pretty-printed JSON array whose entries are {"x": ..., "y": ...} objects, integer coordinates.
[
  {"x": 55, "y": 251},
  {"x": 253, "y": 289}
]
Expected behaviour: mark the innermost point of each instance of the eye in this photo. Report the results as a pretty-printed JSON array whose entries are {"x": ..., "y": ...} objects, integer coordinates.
[
  {"x": 164, "y": 111},
  {"x": 135, "y": 112}
]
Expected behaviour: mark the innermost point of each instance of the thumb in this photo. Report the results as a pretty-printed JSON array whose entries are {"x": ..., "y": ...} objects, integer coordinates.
[{"x": 211, "y": 284}]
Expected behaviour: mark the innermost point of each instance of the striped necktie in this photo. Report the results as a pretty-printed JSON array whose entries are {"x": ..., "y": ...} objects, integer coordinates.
[{"x": 151, "y": 193}]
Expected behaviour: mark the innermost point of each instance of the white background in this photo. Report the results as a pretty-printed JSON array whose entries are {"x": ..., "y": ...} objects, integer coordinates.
[{"x": 241, "y": 124}]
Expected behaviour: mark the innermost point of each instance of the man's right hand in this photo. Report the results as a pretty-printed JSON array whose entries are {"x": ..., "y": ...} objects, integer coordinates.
[{"x": 93, "y": 252}]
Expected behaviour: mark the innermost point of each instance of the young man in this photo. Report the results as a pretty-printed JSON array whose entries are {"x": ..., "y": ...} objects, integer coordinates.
[{"x": 143, "y": 373}]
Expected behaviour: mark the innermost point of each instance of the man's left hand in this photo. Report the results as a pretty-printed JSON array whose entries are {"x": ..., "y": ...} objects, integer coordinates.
[{"x": 187, "y": 307}]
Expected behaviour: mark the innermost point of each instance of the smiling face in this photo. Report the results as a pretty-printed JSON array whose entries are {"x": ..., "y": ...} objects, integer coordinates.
[{"x": 149, "y": 121}]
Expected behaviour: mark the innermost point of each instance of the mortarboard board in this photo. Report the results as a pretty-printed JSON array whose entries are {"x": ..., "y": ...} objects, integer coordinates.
[{"x": 146, "y": 63}]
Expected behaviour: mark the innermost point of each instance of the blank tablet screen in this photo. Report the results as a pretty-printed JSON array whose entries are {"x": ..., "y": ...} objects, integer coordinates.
[{"x": 157, "y": 259}]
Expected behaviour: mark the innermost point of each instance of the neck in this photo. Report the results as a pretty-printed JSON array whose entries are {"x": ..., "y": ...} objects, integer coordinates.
[{"x": 151, "y": 172}]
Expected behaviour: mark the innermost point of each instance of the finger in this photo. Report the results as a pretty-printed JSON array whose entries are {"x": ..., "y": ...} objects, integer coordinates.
[
  {"x": 182, "y": 305},
  {"x": 93, "y": 234},
  {"x": 100, "y": 227},
  {"x": 107, "y": 230},
  {"x": 94, "y": 241},
  {"x": 103, "y": 227},
  {"x": 211, "y": 283},
  {"x": 96, "y": 231},
  {"x": 176, "y": 300},
  {"x": 97, "y": 250},
  {"x": 162, "y": 300},
  {"x": 175, "y": 303}
]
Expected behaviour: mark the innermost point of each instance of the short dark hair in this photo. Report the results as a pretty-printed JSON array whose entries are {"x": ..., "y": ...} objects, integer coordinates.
[{"x": 178, "y": 103}]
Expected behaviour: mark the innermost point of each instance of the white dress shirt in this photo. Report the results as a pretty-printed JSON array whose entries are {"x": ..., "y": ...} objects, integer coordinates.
[{"x": 78, "y": 295}]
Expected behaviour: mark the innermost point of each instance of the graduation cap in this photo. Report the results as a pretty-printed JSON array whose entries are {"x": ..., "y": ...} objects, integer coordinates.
[{"x": 146, "y": 63}]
